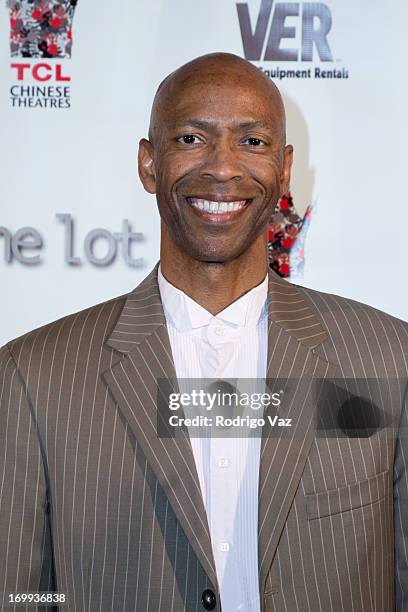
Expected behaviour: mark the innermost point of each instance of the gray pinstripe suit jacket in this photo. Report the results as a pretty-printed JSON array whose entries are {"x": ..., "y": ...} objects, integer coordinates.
[{"x": 93, "y": 503}]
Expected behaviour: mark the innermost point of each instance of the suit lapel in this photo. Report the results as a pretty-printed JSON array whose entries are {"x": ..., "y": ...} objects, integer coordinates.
[
  {"x": 293, "y": 334},
  {"x": 141, "y": 335}
]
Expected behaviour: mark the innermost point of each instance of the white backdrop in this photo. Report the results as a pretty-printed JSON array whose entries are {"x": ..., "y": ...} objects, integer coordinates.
[{"x": 349, "y": 136}]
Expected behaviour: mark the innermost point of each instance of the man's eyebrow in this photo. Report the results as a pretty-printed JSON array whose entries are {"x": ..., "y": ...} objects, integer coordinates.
[
  {"x": 207, "y": 125},
  {"x": 253, "y": 124}
]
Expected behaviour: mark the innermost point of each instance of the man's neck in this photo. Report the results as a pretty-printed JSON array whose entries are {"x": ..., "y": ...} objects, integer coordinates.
[{"x": 215, "y": 285}]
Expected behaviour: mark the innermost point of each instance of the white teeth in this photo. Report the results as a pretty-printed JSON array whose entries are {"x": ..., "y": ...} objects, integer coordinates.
[{"x": 216, "y": 207}]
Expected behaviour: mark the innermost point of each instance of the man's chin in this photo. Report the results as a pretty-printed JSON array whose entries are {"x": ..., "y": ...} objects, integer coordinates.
[{"x": 220, "y": 258}]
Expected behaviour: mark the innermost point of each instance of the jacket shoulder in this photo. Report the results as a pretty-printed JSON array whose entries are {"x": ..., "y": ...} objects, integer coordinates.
[
  {"x": 85, "y": 329},
  {"x": 348, "y": 318},
  {"x": 331, "y": 302}
]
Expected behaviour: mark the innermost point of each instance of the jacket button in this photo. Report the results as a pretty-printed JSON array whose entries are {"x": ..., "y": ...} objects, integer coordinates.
[{"x": 208, "y": 599}]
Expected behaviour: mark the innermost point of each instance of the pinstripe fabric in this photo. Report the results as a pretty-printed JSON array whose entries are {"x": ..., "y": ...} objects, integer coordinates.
[{"x": 94, "y": 504}]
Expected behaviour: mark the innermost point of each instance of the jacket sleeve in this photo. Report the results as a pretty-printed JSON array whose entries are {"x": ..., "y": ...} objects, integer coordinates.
[
  {"x": 26, "y": 559},
  {"x": 401, "y": 511}
]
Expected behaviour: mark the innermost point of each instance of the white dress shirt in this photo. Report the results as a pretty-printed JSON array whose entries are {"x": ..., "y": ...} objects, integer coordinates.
[{"x": 232, "y": 344}]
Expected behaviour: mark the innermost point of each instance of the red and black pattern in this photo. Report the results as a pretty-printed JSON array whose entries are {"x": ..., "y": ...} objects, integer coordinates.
[
  {"x": 284, "y": 227},
  {"x": 41, "y": 28}
]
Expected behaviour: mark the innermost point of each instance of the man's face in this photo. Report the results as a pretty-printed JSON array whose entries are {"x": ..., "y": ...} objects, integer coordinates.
[{"x": 219, "y": 165}]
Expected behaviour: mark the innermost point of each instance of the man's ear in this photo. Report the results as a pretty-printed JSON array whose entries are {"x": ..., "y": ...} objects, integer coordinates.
[
  {"x": 286, "y": 170},
  {"x": 146, "y": 167}
]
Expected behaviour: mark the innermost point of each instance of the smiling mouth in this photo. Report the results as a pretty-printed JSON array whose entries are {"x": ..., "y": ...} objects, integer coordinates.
[{"x": 215, "y": 207}]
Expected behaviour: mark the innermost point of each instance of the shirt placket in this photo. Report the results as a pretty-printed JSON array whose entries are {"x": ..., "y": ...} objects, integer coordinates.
[{"x": 224, "y": 464}]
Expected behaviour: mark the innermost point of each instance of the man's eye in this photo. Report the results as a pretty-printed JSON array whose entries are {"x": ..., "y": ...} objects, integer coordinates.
[
  {"x": 189, "y": 139},
  {"x": 254, "y": 142}
]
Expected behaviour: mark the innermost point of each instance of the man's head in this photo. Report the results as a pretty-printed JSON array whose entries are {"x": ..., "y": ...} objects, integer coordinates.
[{"x": 217, "y": 134}]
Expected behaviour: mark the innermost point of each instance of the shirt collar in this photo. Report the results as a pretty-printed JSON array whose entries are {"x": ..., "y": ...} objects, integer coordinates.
[{"x": 187, "y": 314}]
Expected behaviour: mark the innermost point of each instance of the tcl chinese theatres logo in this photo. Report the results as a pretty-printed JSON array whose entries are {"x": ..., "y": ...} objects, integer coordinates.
[{"x": 41, "y": 29}]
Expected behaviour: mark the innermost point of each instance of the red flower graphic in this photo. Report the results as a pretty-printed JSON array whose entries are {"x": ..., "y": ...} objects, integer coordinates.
[
  {"x": 284, "y": 203},
  {"x": 56, "y": 22},
  {"x": 287, "y": 243},
  {"x": 52, "y": 49}
]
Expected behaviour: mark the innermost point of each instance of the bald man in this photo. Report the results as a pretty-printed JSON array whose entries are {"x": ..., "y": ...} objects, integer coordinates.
[{"x": 106, "y": 504}]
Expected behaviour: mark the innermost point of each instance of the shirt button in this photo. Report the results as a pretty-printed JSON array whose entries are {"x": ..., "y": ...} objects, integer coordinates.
[
  {"x": 223, "y": 463},
  {"x": 224, "y": 547},
  {"x": 218, "y": 331},
  {"x": 208, "y": 599}
]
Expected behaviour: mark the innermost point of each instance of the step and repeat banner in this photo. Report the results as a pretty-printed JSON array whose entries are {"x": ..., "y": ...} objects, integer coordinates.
[{"x": 77, "y": 79}]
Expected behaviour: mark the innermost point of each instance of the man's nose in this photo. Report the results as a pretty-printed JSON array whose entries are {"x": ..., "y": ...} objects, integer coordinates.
[{"x": 222, "y": 164}]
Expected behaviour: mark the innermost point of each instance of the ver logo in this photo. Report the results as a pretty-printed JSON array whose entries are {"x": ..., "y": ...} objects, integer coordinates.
[{"x": 314, "y": 21}]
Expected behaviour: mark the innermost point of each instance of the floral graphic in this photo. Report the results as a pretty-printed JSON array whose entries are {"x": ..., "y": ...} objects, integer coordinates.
[
  {"x": 286, "y": 236},
  {"x": 41, "y": 28}
]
